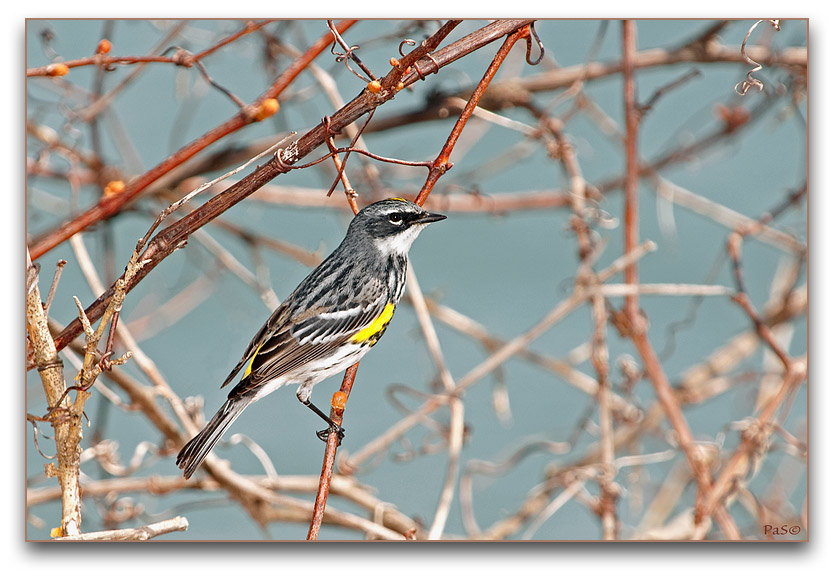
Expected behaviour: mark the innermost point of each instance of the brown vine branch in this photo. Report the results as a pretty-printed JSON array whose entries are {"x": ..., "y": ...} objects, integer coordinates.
[
  {"x": 438, "y": 168},
  {"x": 638, "y": 326},
  {"x": 754, "y": 438},
  {"x": 348, "y": 55},
  {"x": 608, "y": 458},
  {"x": 176, "y": 235},
  {"x": 337, "y": 410},
  {"x": 340, "y": 398},
  {"x": 101, "y": 60},
  {"x": 64, "y": 416},
  {"x": 632, "y": 178},
  {"x": 111, "y": 205},
  {"x": 441, "y": 164},
  {"x": 512, "y": 347},
  {"x": 177, "y": 524}
]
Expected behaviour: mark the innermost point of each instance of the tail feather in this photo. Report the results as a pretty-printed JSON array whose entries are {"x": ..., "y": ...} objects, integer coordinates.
[{"x": 191, "y": 456}]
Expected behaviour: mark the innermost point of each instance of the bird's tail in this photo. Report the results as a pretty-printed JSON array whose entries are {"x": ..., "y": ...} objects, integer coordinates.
[{"x": 194, "y": 452}]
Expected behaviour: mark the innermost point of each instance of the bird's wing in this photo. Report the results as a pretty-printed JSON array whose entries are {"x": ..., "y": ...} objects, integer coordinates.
[
  {"x": 288, "y": 341},
  {"x": 275, "y": 321}
]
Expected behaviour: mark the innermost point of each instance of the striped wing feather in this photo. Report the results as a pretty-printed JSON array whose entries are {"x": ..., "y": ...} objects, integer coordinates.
[{"x": 284, "y": 343}]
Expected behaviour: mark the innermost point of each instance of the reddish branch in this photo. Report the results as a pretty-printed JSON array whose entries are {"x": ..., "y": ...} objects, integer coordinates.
[
  {"x": 176, "y": 235},
  {"x": 441, "y": 164},
  {"x": 637, "y": 325},
  {"x": 337, "y": 410},
  {"x": 181, "y": 58},
  {"x": 437, "y": 169},
  {"x": 110, "y": 206},
  {"x": 632, "y": 178},
  {"x": 413, "y": 66},
  {"x": 422, "y": 62},
  {"x": 753, "y": 439},
  {"x": 755, "y": 436}
]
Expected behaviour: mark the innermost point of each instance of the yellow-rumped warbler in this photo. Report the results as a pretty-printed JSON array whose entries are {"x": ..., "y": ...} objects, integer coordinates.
[{"x": 328, "y": 323}]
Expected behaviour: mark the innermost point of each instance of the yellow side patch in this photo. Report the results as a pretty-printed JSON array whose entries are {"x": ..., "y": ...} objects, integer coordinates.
[
  {"x": 376, "y": 326},
  {"x": 251, "y": 360}
]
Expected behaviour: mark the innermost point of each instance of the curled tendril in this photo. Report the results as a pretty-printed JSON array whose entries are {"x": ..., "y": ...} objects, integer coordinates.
[
  {"x": 347, "y": 55},
  {"x": 535, "y": 36},
  {"x": 420, "y": 73},
  {"x": 407, "y": 41},
  {"x": 750, "y": 82},
  {"x": 35, "y": 432}
]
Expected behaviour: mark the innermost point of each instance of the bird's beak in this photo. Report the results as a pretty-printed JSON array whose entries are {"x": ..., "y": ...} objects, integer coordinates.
[{"x": 427, "y": 218}]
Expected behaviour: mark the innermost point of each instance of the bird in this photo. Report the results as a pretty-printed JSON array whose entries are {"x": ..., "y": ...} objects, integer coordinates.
[{"x": 327, "y": 324}]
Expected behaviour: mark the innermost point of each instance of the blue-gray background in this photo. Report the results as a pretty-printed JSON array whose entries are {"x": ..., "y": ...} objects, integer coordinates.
[{"x": 503, "y": 271}]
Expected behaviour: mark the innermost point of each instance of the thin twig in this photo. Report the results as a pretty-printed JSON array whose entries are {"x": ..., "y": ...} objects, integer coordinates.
[
  {"x": 109, "y": 206},
  {"x": 336, "y": 412},
  {"x": 437, "y": 169},
  {"x": 441, "y": 164},
  {"x": 456, "y": 427},
  {"x": 177, "y": 524},
  {"x": 510, "y": 349},
  {"x": 59, "y": 268},
  {"x": 637, "y": 324},
  {"x": 175, "y": 236},
  {"x": 66, "y": 423}
]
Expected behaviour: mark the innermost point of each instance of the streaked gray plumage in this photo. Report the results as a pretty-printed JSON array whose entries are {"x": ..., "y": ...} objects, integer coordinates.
[{"x": 329, "y": 322}]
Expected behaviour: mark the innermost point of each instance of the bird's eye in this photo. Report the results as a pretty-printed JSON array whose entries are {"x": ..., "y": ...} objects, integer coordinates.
[{"x": 396, "y": 218}]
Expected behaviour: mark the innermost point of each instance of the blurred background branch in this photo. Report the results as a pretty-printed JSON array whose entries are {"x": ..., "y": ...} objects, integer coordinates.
[{"x": 609, "y": 341}]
